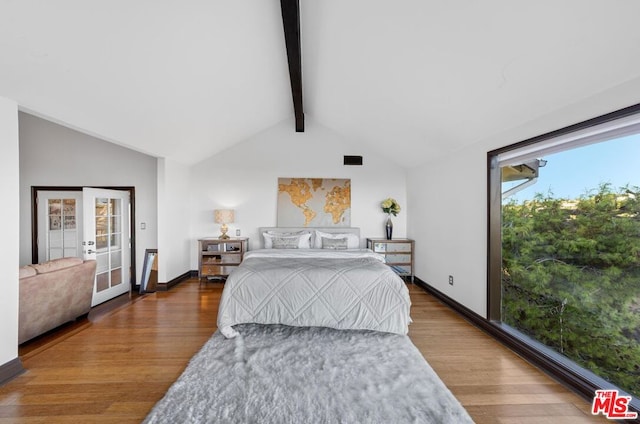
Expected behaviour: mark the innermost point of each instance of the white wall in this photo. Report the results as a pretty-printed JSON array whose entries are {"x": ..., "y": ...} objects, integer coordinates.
[
  {"x": 448, "y": 201},
  {"x": 245, "y": 178},
  {"x": 447, "y": 218},
  {"x": 53, "y": 155},
  {"x": 10, "y": 218},
  {"x": 174, "y": 228}
]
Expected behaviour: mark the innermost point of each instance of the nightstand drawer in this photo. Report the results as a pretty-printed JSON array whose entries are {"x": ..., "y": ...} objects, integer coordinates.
[
  {"x": 216, "y": 269},
  {"x": 395, "y": 258},
  {"x": 226, "y": 259}
]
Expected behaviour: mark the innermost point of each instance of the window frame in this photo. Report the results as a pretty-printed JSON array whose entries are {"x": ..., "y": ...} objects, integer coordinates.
[{"x": 581, "y": 380}]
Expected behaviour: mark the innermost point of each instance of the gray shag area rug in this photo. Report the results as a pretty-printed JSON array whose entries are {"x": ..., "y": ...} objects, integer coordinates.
[{"x": 279, "y": 374}]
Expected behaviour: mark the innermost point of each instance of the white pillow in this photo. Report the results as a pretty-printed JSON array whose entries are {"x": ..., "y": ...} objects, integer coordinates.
[
  {"x": 301, "y": 241},
  {"x": 353, "y": 241}
]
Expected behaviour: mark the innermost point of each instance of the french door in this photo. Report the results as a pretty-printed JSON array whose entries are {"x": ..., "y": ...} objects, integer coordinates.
[{"x": 106, "y": 239}]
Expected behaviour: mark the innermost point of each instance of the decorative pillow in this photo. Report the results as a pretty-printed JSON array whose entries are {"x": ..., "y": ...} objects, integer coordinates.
[
  {"x": 268, "y": 244},
  {"x": 287, "y": 240},
  {"x": 353, "y": 241},
  {"x": 290, "y": 242},
  {"x": 334, "y": 243}
]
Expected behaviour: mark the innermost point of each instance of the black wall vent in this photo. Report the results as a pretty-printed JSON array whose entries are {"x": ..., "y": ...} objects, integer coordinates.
[{"x": 353, "y": 160}]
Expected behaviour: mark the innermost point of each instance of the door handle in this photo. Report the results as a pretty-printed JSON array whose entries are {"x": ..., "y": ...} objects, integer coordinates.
[{"x": 90, "y": 251}]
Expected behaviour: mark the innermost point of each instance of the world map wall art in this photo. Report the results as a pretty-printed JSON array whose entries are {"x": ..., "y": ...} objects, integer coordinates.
[{"x": 314, "y": 202}]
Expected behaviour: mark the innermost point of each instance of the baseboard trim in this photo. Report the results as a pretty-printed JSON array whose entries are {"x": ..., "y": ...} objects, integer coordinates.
[
  {"x": 179, "y": 279},
  {"x": 556, "y": 369},
  {"x": 10, "y": 370}
]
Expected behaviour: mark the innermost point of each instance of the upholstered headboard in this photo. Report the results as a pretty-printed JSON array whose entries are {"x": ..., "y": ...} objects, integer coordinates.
[{"x": 331, "y": 230}]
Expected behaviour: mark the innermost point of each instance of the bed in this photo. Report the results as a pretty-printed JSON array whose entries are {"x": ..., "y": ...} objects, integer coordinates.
[{"x": 314, "y": 278}]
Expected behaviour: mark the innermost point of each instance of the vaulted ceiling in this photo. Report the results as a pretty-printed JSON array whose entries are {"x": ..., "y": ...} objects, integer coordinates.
[{"x": 186, "y": 79}]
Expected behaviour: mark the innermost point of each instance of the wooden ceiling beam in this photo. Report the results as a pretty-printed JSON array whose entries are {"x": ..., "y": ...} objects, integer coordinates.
[{"x": 291, "y": 24}]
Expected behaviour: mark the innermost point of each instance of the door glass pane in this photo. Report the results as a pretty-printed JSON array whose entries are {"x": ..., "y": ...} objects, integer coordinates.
[
  {"x": 116, "y": 259},
  {"x": 55, "y": 239},
  {"x": 116, "y": 206},
  {"x": 69, "y": 206},
  {"x": 102, "y": 262},
  {"x": 56, "y": 254},
  {"x": 55, "y": 222},
  {"x": 69, "y": 212},
  {"x": 116, "y": 226},
  {"x": 116, "y": 277},
  {"x": 101, "y": 242},
  {"x": 102, "y": 281},
  {"x": 102, "y": 207},
  {"x": 69, "y": 222},
  {"x": 70, "y": 239},
  {"x": 55, "y": 207},
  {"x": 55, "y": 214},
  {"x": 70, "y": 242},
  {"x": 102, "y": 225}
]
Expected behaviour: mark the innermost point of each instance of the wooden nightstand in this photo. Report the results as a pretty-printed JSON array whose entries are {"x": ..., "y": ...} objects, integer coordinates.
[
  {"x": 398, "y": 254},
  {"x": 218, "y": 257}
]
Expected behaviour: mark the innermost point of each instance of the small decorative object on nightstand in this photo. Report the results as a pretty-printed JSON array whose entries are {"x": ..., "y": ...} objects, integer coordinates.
[
  {"x": 224, "y": 217},
  {"x": 218, "y": 257},
  {"x": 398, "y": 254},
  {"x": 390, "y": 207}
]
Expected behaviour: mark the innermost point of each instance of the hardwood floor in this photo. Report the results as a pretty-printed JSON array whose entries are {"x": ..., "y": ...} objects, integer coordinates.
[{"x": 115, "y": 365}]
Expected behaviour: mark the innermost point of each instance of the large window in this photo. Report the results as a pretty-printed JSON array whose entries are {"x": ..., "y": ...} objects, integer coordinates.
[{"x": 564, "y": 242}]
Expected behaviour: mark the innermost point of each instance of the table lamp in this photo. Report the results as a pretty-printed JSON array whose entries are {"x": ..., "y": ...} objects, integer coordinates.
[{"x": 224, "y": 217}]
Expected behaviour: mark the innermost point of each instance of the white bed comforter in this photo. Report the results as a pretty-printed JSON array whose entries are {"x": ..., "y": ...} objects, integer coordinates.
[{"x": 342, "y": 289}]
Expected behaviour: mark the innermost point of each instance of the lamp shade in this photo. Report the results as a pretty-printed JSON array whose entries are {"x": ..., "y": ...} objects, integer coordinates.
[{"x": 223, "y": 216}]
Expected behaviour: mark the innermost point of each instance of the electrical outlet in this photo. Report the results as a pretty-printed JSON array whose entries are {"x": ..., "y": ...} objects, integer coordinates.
[
  {"x": 451, "y": 280},
  {"x": 238, "y": 233}
]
